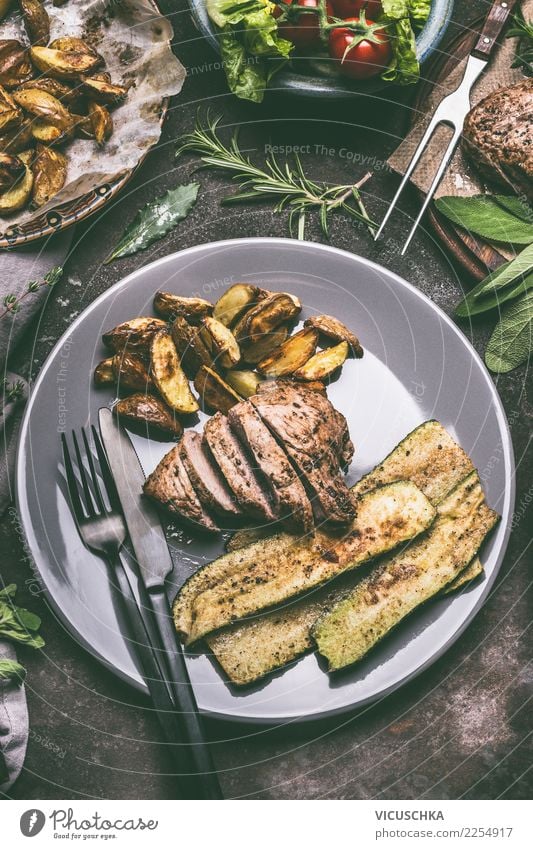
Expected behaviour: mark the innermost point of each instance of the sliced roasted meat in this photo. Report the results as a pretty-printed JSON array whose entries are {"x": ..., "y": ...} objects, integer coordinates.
[
  {"x": 208, "y": 483},
  {"x": 315, "y": 437},
  {"x": 170, "y": 485},
  {"x": 248, "y": 488},
  {"x": 271, "y": 460}
]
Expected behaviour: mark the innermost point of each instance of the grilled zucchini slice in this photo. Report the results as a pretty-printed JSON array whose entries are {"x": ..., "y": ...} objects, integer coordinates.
[
  {"x": 250, "y": 650},
  {"x": 401, "y": 584},
  {"x": 270, "y": 571}
]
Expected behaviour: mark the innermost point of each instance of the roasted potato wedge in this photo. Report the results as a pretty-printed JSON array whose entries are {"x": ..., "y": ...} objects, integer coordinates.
[
  {"x": 103, "y": 373},
  {"x": 315, "y": 385},
  {"x": 168, "y": 375},
  {"x": 102, "y": 90},
  {"x": 68, "y": 96},
  {"x": 134, "y": 336},
  {"x": 324, "y": 363},
  {"x": 221, "y": 342},
  {"x": 169, "y": 306},
  {"x": 291, "y": 355},
  {"x": 101, "y": 122},
  {"x": 334, "y": 329},
  {"x": 268, "y": 343},
  {"x": 83, "y": 127},
  {"x": 73, "y": 44},
  {"x": 130, "y": 372},
  {"x": 238, "y": 298},
  {"x": 265, "y": 317},
  {"x": 40, "y": 103},
  {"x": 62, "y": 64},
  {"x": 47, "y": 133},
  {"x": 18, "y": 196},
  {"x": 11, "y": 169},
  {"x": 49, "y": 174},
  {"x": 214, "y": 392},
  {"x": 17, "y": 138},
  {"x": 10, "y": 114},
  {"x": 15, "y": 66},
  {"x": 190, "y": 346},
  {"x": 244, "y": 382},
  {"x": 36, "y": 21},
  {"x": 146, "y": 412}
]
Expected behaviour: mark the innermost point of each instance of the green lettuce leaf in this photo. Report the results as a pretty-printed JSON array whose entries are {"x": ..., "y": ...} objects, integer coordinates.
[
  {"x": 404, "y": 68},
  {"x": 10, "y": 670},
  {"x": 249, "y": 42},
  {"x": 396, "y": 9},
  {"x": 419, "y": 11}
]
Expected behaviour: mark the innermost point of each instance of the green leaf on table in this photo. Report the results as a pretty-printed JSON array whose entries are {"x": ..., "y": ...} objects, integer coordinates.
[
  {"x": 8, "y": 592},
  {"x": 508, "y": 273},
  {"x": 17, "y": 623},
  {"x": 156, "y": 219},
  {"x": 511, "y": 342},
  {"x": 484, "y": 216},
  {"x": 10, "y": 670},
  {"x": 517, "y": 206},
  {"x": 472, "y": 304}
]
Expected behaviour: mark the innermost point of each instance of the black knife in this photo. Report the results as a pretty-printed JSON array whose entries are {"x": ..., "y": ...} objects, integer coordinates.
[{"x": 155, "y": 565}]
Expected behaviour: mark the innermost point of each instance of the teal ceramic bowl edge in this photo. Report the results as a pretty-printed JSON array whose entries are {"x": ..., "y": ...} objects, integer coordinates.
[{"x": 310, "y": 85}]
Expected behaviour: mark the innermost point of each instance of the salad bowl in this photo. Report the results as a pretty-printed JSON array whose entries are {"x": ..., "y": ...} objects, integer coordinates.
[{"x": 318, "y": 78}]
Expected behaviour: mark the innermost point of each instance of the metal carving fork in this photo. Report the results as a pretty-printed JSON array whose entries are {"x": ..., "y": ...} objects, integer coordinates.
[{"x": 453, "y": 109}]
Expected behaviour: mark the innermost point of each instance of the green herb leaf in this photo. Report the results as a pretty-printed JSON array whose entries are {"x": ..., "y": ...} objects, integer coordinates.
[
  {"x": 156, "y": 219},
  {"x": 511, "y": 342},
  {"x": 17, "y": 623},
  {"x": 484, "y": 216},
  {"x": 473, "y": 304},
  {"x": 10, "y": 670},
  {"x": 516, "y": 206}
]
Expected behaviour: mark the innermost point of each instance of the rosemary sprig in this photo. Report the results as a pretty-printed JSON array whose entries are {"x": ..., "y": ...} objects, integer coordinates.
[
  {"x": 523, "y": 30},
  {"x": 289, "y": 183},
  {"x": 13, "y": 391},
  {"x": 11, "y": 303}
]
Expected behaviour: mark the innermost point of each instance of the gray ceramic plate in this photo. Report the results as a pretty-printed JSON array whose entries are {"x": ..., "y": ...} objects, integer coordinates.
[
  {"x": 417, "y": 366},
  {"x": 300, "y": 78}
]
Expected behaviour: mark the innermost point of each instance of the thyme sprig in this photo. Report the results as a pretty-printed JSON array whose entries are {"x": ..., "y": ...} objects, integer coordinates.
[
  {"x": 289, "y": 183},
  {"x": 11, "y": 302}
]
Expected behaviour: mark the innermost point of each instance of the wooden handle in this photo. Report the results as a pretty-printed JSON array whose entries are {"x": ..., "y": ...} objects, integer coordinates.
[{"x": 494, "y": 23}]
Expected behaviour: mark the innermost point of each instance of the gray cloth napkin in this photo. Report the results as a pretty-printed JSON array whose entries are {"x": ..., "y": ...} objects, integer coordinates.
[{"x": 17, "y": 269}]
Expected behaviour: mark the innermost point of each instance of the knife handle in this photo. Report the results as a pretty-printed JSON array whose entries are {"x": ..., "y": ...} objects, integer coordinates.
[
  {"x": 155, "y": 681},
  {"x": 494, "y": 23},
  {"x": 184, "y": 698}
]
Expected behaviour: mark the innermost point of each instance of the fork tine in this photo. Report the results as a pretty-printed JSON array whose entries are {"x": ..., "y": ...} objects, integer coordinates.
[
  {"x": 72, "y": 483},
  {"x": 109, "y": 482},
  {"x": 83, "y": 478},
  {"x": 431, "y": 191},
  {"x": 412, "y": 165},
  {"x": 94, "y": 477}
]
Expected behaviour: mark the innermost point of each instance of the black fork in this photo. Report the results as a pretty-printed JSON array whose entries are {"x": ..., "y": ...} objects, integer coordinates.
[{"x": 102, "y": 528}]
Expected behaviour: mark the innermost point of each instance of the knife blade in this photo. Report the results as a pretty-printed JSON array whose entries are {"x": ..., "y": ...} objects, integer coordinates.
[{"x": 142, "y": 520}]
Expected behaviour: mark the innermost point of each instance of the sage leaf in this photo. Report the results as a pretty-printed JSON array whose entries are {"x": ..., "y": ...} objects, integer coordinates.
[
  {"x": 156, "y": 219},
  {"x": 483, "y": 215},
  {"x": 10, "y": 670},
  {"x": 509, "y": 272},
  {"x": 474, "y": 304},
  {"x": 511, "y": 342},
  {"x": 517, "y": 206}
]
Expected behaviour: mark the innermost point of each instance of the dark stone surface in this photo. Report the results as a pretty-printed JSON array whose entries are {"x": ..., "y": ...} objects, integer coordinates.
[{"x": 460, "y": 729}]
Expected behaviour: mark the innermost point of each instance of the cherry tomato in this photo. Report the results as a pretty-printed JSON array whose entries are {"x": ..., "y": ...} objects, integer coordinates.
[
  {"x": 303, "y": 30},
  {"x": 368, "y": 58},
  {"x": 352, "y": 8}
]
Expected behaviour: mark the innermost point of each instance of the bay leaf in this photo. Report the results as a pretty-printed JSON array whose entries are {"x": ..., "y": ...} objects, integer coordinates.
[
  {"x": 156, "y": 219},
  {"x": 483, "y": 216},
  {"x": 512, "y": 340}
]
